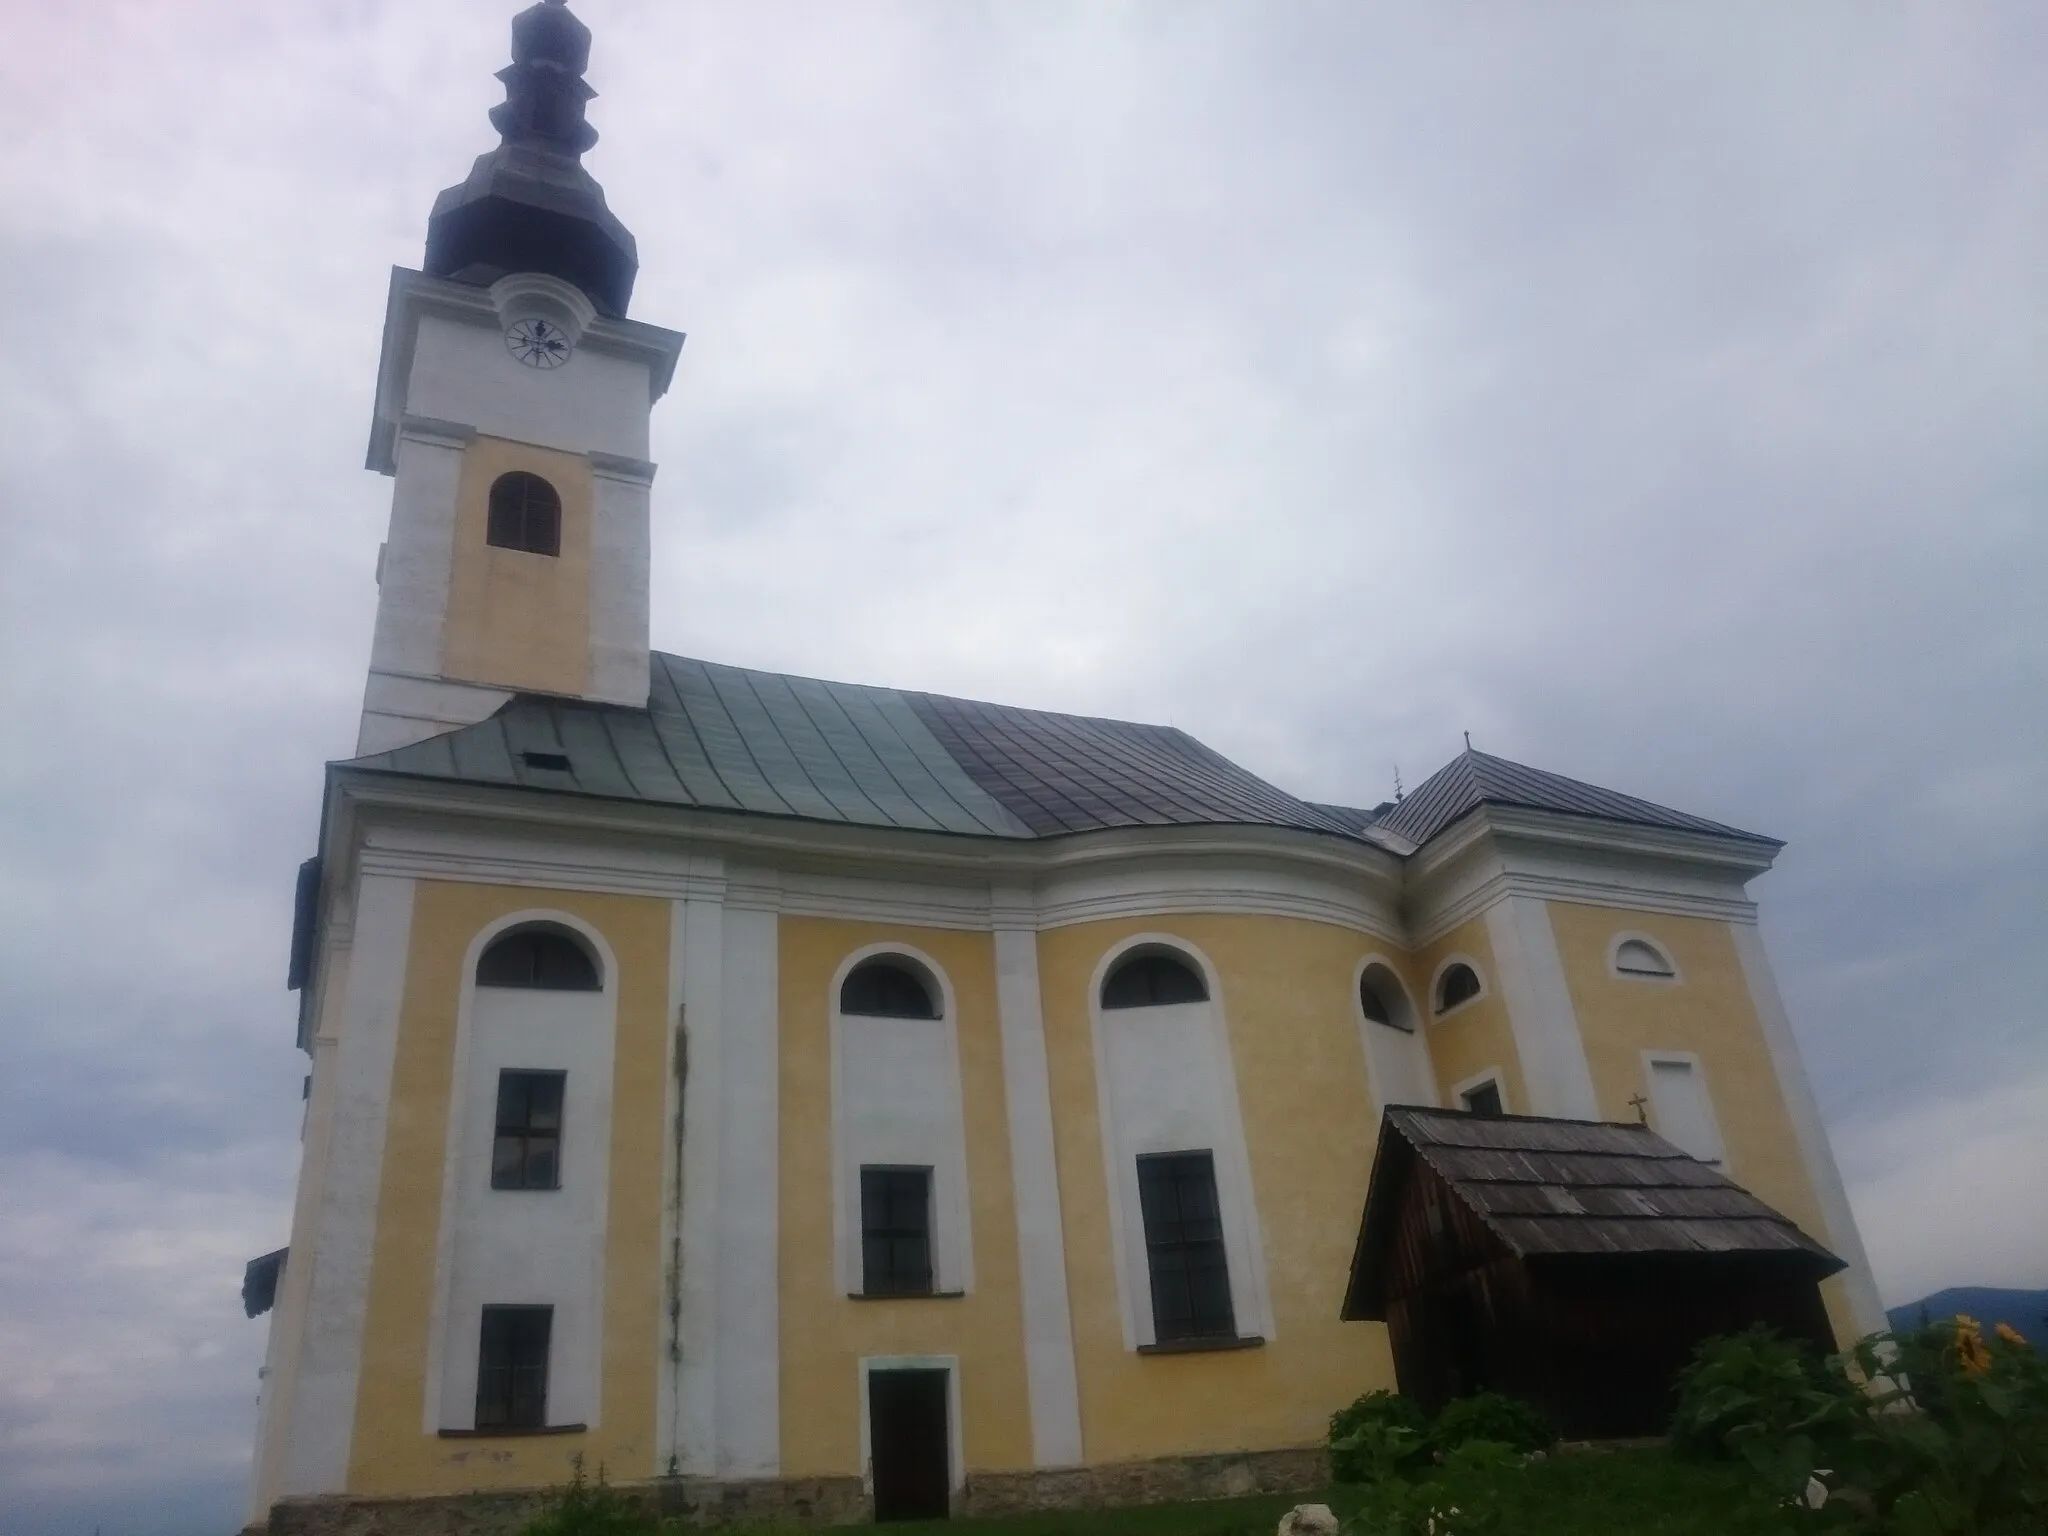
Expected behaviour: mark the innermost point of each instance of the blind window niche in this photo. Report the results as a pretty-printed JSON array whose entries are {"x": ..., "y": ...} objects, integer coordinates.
[
  {"x": 1685, "y": 1117},
  {"x": 1184, "y": 1250},
  {"x": 512, "y": 1368},
  {"x": 527, "y": 1150},
  {"x": 896, "y": 1231}
]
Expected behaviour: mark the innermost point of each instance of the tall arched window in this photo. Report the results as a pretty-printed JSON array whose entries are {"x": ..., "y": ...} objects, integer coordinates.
[
  {"x": 526, "y": 514},
  {"x": 1458, "y": 984},
  {"x": 542, "y": 957},
  {"x": 1150, "y": 979},
  {"x": 1381, "y": 1000},
  {"x": 886, "y": 989}
]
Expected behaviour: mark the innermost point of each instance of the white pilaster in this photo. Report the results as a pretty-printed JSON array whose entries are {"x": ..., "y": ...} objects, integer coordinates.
[
  {"x": 698, "y": 945},
  {"x": 1555, "y": 1072},
  {"x": 749, "y": 1431},
  {"x": 323, "y": 1410},
  {"x": 619, "y": 579},
  {"x": 1804, "y": 1109},
  {"x": 1041, "y": 1243}
]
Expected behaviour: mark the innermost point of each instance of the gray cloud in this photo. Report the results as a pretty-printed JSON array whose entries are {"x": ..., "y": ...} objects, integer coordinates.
[{"x": 1652, "y": 391}]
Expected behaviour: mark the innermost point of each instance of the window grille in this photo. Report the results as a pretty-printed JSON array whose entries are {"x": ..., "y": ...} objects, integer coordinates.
[
  {"x": 1184, "y": 1247},
  {"x": 546, "y": 958},
  {"x": 1150, "y": 980},
  {"x": 527, "y": 1153},
  {"x": 1460, "y": 984},
  {"x": 884, "y": 989},
  {"x": 512, "y": 1368},
  {"x": 895, "y": 1231},
  {"x": 526, "y": 514},
  {"x": 1484, "y": 1099}
]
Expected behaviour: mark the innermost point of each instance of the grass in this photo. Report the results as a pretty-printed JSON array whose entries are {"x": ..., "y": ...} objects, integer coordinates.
[{"x": 1643, "y": 1492}]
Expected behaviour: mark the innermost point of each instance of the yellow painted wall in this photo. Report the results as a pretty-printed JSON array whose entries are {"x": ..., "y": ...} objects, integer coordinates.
[
  {"x": 1709, "y": 1012},
  {"x": 517, "y": 619},
  {"x": 1472, "y": 1038},
  {"x": 824, "y": 1333},
  {"x": 390, "y": 1453},
  {"x": 1309, "y": 1124}
]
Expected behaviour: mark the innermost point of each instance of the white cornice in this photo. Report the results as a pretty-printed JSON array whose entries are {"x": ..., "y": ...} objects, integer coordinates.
[
  {"x": 414, "y": 294},
  {"x": 434, "y": 829}
]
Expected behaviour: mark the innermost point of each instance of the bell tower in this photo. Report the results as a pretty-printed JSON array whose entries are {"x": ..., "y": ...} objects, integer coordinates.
[{"x": 512, "y": 409}]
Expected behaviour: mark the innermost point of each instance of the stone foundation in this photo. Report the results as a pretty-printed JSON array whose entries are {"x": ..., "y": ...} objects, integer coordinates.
[
  {"x": 825, "y": 1500},
  {"x": 1160, "y": 1480}
]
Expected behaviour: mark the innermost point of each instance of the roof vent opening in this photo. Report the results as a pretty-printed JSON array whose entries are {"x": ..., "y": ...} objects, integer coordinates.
[{"x": 557, "y": 762}]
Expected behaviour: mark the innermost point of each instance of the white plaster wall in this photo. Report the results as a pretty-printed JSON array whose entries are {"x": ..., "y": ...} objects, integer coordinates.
[
  {"x": 1166, "y": 1084},
  {"x": 321, "y": 1416},
  {"x": 1541, "y": 1018},
  {"x": 528, "y": 1247},
  {"x": 1821, "y": 1169},
  {"x": 463, "y": 371},
  {"x": 1041, "y": 1245},
  {"x": 896, "y": 1100},
  {"x": 748, "y": 1419}
]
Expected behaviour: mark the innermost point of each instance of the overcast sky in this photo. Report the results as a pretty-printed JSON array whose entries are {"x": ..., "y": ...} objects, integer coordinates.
[{"x": 1656, "y": 391}]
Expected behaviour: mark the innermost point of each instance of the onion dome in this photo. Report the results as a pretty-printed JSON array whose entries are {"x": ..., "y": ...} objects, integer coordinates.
[{"x": 529, "y": 205}]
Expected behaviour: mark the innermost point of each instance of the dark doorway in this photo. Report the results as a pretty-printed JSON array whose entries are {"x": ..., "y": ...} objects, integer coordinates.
[{"x": 907, "y": 1434}]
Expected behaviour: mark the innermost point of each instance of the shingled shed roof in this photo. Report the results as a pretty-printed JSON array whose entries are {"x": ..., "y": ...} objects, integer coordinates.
[
  {"x": 1567, "y": 1188},
  {"x": 1472, "y": 779}
]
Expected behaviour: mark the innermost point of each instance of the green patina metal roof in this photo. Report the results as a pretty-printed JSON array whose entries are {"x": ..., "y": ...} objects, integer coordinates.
[{"x": 768, "y": 744}]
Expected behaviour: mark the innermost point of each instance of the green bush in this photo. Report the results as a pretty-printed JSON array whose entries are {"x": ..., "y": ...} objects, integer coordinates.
[
  {"x": 1491, "y": 1416},
  {"x": 586, "y": 1508},
  {"x": 1954, "y": 1441},
  {"x": 1376, "y": 1438},
  {"x": 1754, "y": 1394}
]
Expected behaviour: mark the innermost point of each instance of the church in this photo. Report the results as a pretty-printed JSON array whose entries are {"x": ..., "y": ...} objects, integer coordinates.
[{"x": 826, "y": 1101}]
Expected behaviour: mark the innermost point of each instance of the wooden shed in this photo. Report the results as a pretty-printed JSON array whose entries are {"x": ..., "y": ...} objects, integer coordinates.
[{"x": 1571, "y": 1263}]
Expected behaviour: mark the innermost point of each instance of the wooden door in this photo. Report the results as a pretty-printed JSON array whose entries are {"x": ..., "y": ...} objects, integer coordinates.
[{"x": 907, "y": 1438}]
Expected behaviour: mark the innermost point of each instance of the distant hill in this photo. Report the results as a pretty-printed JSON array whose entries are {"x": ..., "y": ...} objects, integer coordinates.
[{"x": 2025, "y": 1310}]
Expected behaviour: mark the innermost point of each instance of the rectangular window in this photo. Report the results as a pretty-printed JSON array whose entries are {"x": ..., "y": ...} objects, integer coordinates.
[
  {"x": 1483, "y": 1098},
  {"x": 528, "y": 1151},
  {"x": 512, "y": 1368},
  {"x": 896, "y": 1231},
  {"x": 1184, "y": 1247}
]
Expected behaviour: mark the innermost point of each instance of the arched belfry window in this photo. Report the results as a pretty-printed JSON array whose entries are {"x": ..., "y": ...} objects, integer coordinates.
[
  {"x": 886, "y": 989},
  {"x": 526, "y": 514},
  {"x": 1151, "y": 979},
  {"x": 1458, "y": 984},
  {"x": 542, "y": 957},
  {"x": 1381, "y": 1000}
]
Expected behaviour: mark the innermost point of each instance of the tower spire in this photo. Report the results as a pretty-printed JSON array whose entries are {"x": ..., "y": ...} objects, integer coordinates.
[{"x": 529, "y": 205}]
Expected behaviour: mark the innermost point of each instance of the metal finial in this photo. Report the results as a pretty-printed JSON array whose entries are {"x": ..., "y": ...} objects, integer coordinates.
[
  {"x": 1468, "y": 741},
  {"x": 1641, "y": 1107}
]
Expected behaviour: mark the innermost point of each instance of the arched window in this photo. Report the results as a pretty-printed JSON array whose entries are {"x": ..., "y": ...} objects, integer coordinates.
[
  {"x": 886, "y": 989},
  {"x": 1381, "y": 1000},
  {"x": 543, "y": 957},
  {"x": 1639, "y": 957},
  {"x": 1150, "y": 979},
  {"x": 526, "y": 514},
  {"x": 1458, "y": 984}
]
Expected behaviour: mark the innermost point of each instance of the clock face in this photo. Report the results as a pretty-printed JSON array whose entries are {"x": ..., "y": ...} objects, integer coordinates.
[{"x": 538, "y": 343}]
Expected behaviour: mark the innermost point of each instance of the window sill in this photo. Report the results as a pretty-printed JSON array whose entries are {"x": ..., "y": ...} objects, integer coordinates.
[
  {"x": 512, "y": 1434},
  {"x": 904, "y": 1295},
  {"x": 1201, "y": 1346}
]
